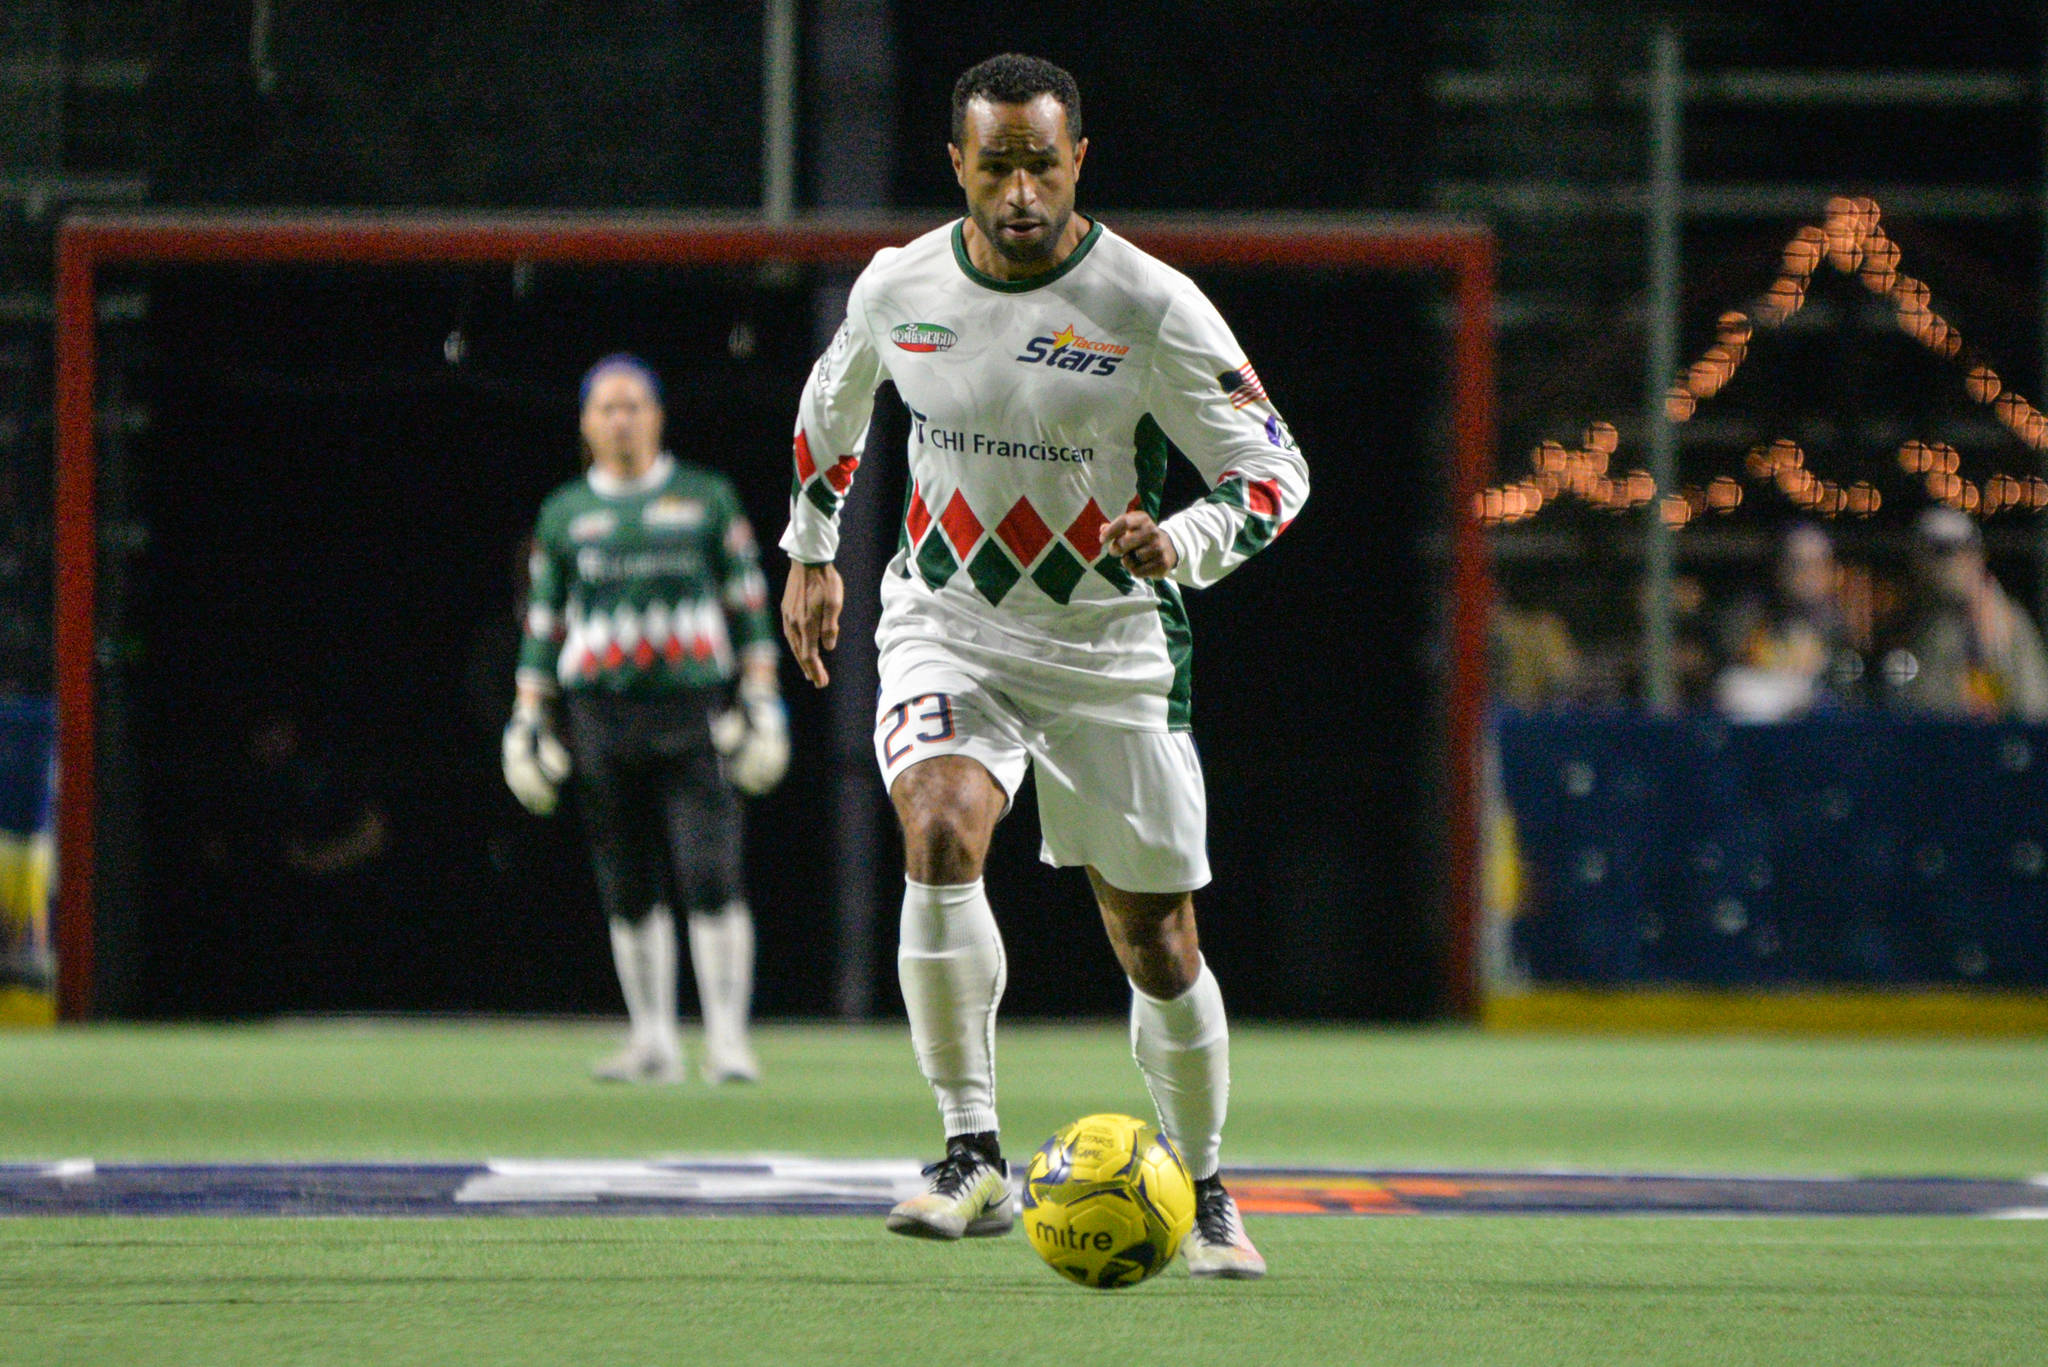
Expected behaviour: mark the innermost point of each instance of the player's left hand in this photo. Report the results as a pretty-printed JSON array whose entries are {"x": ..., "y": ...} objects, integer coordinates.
[{"x": 1141, "y": 544}]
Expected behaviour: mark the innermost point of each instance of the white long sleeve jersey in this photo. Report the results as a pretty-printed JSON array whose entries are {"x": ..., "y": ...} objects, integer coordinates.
[{"x": 1039, "y": 410}]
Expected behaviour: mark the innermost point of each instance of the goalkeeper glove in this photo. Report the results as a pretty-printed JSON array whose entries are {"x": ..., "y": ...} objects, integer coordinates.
[
  {"x": 536, "y": 762},
  {"x": 754, "y": 739}
]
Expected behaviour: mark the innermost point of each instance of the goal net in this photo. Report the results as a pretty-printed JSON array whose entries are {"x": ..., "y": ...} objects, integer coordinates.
[{"x": 311, "y": 545}]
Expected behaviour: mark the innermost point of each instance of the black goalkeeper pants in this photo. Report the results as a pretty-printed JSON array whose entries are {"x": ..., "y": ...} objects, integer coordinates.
[{"x": 663, "y": 823}]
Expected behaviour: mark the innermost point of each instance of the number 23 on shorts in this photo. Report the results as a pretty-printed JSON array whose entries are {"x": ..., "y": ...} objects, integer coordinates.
[{"x": 930, "y": 713}]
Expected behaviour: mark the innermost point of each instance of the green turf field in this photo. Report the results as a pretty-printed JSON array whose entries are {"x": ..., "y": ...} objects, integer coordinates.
[
  {"x": 764, "y": 1291},
  {"x": 1343, "y": 1290}
]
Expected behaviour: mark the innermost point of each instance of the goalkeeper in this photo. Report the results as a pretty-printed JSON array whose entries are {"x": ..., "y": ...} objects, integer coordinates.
[{"x": 647, "y": 599}]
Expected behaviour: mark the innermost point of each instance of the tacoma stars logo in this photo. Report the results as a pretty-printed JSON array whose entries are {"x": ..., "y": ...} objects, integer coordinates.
[{"x": 1069, "y": 350}]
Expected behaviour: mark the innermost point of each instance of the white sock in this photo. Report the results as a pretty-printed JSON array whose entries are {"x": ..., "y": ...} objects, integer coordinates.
[
  {"x": 632, "y": 980},
  {"x": 1183, "y": 1048},
  {"x": 658, "y": 967},
  {"x": 722, "y": 953},
  {"x": 949, "y": 962}
]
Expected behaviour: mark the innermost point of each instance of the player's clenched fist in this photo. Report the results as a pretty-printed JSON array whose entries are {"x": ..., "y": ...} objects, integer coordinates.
[
  {"x": 1141, "y": 544},
  {"x": 811, "y": 600}
]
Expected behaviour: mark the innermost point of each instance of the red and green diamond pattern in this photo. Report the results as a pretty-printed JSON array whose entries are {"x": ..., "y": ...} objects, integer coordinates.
[
  {"x": 1021, "y": 545},
  {"x": 1259, "y": 501},
  {"x": 825, "y": 494}
]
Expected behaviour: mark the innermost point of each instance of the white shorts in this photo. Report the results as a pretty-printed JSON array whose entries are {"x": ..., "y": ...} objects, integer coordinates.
[{"x": 1129, "y": 803}]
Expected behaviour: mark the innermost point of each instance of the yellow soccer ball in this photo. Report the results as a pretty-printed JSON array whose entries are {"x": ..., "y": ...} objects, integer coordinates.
[{"x": 1107, "y": 1201}]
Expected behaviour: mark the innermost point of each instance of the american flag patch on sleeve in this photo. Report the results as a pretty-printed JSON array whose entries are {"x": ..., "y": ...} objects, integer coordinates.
[{"x": 1242, "y": 385}]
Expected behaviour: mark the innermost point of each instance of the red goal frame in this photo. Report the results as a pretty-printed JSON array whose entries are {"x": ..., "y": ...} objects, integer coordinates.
[{"x": 1463, "y": 253}]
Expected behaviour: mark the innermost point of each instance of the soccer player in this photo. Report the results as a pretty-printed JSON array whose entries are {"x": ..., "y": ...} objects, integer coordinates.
[
  {"x": 1032, "y": 614},
  {"x": 647, "y": 597}
]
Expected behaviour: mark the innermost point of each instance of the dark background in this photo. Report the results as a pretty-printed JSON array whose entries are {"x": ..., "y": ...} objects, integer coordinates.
[
  {"x": 333, "y": 506},
  {"x": 318, "y": 505},
  {"x": 334, "y": 511}
]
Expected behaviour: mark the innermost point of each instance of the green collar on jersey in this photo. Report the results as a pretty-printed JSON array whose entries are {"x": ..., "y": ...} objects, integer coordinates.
[{"x": 1030, "y": 282}]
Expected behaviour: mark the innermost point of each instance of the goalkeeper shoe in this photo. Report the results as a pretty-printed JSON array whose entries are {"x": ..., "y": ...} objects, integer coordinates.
[
  {"x": 968, "y": 1196},
  {"x": 641, "y": 1061},
  {"x": 1218, "y": 1246},
  {"x": 730, "y": 1061}
]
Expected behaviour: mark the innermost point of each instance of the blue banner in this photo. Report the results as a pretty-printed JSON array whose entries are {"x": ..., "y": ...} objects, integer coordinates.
[
  {"x": 27, "y": 860},
  {"x": 1857, "y": 848}
]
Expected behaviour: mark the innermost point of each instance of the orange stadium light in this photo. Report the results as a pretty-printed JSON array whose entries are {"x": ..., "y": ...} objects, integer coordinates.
[{"x": 1851, "y": 241}]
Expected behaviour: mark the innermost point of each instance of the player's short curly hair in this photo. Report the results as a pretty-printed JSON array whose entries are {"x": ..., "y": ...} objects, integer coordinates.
[{"x": 1013, "y": 78}]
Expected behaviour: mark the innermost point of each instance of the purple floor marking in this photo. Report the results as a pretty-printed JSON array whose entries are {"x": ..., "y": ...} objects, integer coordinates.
[{"x": 793, "y": 1186}]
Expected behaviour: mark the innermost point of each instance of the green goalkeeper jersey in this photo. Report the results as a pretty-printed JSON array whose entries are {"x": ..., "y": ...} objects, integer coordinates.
[{"x": 643, "y": 587}]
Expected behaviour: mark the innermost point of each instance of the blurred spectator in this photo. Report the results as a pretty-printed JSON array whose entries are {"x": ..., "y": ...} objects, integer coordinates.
[
  {"x": 1788, "y": 651},
  {"x": 1966, "y": 649},
  {"x": 1617, "y": 669},
  {"x": 1535, "y": 662},
  {"x": 300, "y": 851},
  {"x": 299, "y": 816},
  {"x": 1695, "y": 656}
]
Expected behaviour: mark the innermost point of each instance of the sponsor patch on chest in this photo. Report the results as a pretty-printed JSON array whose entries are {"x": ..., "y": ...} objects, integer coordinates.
[
  {"x": 923, "y": 337},
  {"x": 673, "y": 513},
  {"x": 593, "y": 526}
]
